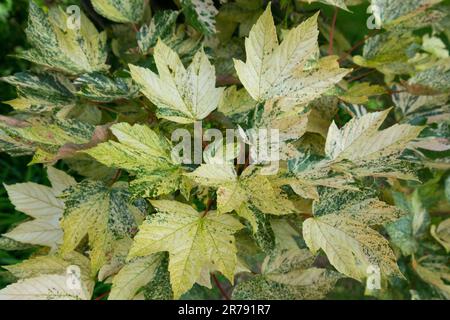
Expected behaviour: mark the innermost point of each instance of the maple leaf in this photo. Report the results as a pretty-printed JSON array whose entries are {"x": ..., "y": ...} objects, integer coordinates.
[
  {"x": 181, "y": 95},
  {"x": 288, "y": 275},
  {"x": 247, "y": 194},
  {"x": 120, "y": 10},
  {"x": 71, "y": 50},
  {"x": 286, "y": 71},
  {"x": 46, "y": 278},
  {"x": 41, "y": 203},
  {"x": 146, "y": 154},
  {"x": 342, "y": 228},
  {"x": 102, "y": 213},
  {"x": 192, "y": 239}
]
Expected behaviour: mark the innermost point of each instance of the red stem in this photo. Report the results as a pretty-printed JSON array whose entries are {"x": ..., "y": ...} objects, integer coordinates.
[
  {"x": 333, "y": 26},
  {"x": 222, "y": 290}
]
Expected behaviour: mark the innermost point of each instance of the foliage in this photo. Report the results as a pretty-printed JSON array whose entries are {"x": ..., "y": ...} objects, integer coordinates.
[{"x": 357, "y": 208}]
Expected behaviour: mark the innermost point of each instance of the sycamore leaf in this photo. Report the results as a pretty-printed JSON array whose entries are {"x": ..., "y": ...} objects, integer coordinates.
[
  {"x": 50, "y": 139},
  {"x": 41, "y": 203},
  {"x": 43, "y": 287},
  {"x": 192, "y": 239},
  {"x": 98, "y": 87},
  {"x": 391, "y": 14},
  {"x": 144, "y": 153},
  {"x": 102, "y": 213},
  {"x": 249, "y": 194},
  {"x": 161, "y": 27},
  {"x": 371, "y": 152},
  {"x": 40, "y": 92},
  {"x": 57, "y": 46},
  {"x": 134, "y": 275},
  {"x": 200, "y": 14},
  {"x": 343, "y": 231},
  {"x": 288, "y": 275},
  {"x": 181, "y": 95},
  {"x": 57, "y": 265},
  {"x": 120, "y": 10},
  {"x": 286, "y": 71}
]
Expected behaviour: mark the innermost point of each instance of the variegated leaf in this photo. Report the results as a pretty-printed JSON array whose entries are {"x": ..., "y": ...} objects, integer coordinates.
[
  {"x": 144, "y": 153},
  {"x": 124, "y": 11},
  {"x": 193, "y": 240},
  {"x": 56, "y": 46},
  {"x": 102, "y": 213},
  {"x": 286, "y": 71}
]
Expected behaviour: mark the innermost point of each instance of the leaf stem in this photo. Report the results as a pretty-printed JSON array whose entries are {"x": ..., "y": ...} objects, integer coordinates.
[
  {"x": 219, "y": 286},
  {"x": 333, "y": 26}
]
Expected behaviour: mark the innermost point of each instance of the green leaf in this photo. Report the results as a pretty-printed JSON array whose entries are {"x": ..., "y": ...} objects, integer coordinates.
[
  {"x": 40, "y": 92},
  {"x": 98, "y": 87},
  {"x": 161, "y": 27}
]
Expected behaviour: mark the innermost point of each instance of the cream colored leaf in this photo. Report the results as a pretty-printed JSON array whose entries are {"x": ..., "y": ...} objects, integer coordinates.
[
  {"x": 351, "y": 246},
  {"x": 41, "y": 203},
  {"x": 125, "y": 11},
  {"x": 134, "y": 275},
  {"x": 192, "y": 240},
  {"x": 284, "y": 71},
  {"x": 45, "y": 287},
  {"x": 144, "y": 153},
  {"x": 181, "y": 95},
  {"x": 442, "y": 234}
]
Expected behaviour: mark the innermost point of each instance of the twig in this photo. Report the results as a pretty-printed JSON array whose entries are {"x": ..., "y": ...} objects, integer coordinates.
[
  {"x": 357, "y": 45},
  {"x": 219, "y": 286},
  {"x": 333, "y": 26},
  {"x": 361, "y": 76}
]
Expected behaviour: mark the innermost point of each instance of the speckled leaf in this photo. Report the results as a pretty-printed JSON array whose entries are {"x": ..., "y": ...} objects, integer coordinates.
[
  {"x": 246, "y": 194},
  {"x": 124, "y": 11},
  {"x": 287, "y": 71},
  {"x": 134, "y": 275},
  {"x": 161, "y": 27},
  {"x": 99, "y": 87},
  {"x": 55, "y": 46},
  {"x": 288, "y": 275},
  {"x": 102, "y": 213},
  {"x": 144, "y": 153},
  {"x": 350, "y": 244},
  {"x": 193, "y": 241},
  {"x": 200, "y": 14},
  {"x": 40, "y": 92},
  {"x": 181, "y": 95}
]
